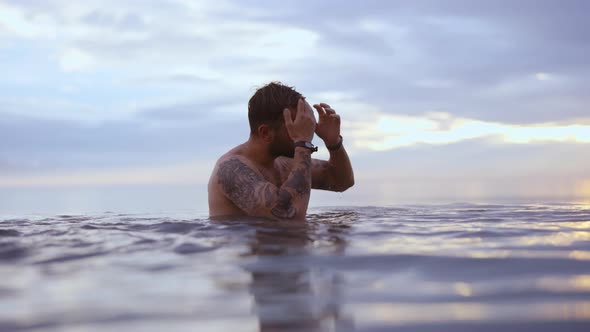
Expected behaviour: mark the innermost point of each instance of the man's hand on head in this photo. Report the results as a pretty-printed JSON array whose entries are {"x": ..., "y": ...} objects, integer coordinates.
[
  {"x": 303, "y": 126},
  {"x": 328, "y": 126}
]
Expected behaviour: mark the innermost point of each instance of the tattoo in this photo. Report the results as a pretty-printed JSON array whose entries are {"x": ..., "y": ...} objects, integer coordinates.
[
  {"x": 298, "y": 181},
  {"x": 306, "y": 159},
  {"x": 250, "y": 191},
  {"x": 269, "y": 196},
  {"x": 285, "y": 169},
  {"x": 322, "y": 181},
  {"x": 299, "y": 178},
  {"x": 238, "y": 181},
  {"x": 284, "y": 208}
]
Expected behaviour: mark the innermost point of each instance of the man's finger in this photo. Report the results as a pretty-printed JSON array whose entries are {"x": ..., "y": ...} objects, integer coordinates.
[
  {"x": 310, "y": 110},
  {"x": 329, "y": 110},
  {"x": 300, "y": 106},
  {"x": 321, "y": 111}
]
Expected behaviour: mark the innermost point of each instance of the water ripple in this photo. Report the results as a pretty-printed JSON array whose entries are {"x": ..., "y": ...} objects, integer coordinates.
[{"x": 415, "y": 267}]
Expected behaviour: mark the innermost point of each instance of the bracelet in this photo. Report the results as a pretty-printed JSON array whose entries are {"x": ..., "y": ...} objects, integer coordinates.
[
  {"x": 306, "y": 145},
  {"x": 337, "y": 146}
]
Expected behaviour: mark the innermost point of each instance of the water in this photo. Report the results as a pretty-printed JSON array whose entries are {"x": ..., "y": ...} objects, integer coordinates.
[{"x": 459, "y": 267}]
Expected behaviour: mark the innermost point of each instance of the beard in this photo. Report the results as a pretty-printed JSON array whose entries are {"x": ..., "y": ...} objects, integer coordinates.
[{"x": 280, "y": 148}]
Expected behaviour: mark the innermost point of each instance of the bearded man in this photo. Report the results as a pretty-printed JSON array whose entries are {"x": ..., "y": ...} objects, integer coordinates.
[{"x": 272, "y": 174}]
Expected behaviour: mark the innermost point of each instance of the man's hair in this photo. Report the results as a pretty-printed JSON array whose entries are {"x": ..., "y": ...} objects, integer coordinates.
[{"x": 267, "y": 104}]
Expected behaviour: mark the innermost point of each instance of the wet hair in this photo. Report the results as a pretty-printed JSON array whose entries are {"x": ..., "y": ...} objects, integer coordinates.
[{"x": 267, "y": 104}]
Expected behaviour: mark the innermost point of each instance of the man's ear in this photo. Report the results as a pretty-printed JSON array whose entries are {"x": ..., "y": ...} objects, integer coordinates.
[
  {"x": 293, "y": 113},
  {"x": 266, "y": 133}
]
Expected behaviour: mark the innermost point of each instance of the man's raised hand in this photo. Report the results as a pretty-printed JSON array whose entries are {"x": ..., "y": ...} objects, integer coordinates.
[
  {"x": 304, "y": 125},
  {"x": 328, "y": 126}
]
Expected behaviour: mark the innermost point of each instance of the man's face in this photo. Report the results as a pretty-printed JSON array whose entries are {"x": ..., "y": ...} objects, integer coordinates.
[{"x": 282, "y": 145}]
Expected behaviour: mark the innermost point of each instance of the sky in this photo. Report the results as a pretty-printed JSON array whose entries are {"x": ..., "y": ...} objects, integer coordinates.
[{"x": 127, "y": 104}]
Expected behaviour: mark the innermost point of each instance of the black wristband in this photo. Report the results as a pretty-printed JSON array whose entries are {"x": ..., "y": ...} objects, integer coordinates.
[
  {"x": 306, "y": 145},
  {"x": 337, "y": 146}
]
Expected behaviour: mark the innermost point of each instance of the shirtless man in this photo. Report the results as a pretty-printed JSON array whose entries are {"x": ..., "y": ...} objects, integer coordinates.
[{"x": 272, "y": 174}]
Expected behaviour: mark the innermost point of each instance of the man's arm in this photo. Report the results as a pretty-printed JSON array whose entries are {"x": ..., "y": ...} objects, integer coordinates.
[
  {"x": 257, "y": 197},
  {"x": 254, "y": 195},
  {"x": 335, "y": 174}
]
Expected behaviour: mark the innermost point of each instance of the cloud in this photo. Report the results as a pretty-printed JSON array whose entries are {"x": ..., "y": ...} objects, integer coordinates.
[
  {"x": 166, "y": 35},
  {"x": 457, "y": 57},
  {"x": 193, "y": 173},
  {"x": 44, "y": 146},
  {"x": 75, "y": 60},
  {"x": 472, "y": 170},
  {"x": 17, "y": 23},
  {"x": 101, "y": 90},
  {"x": 379, "y": 131},
  {"x": 471, "y": 47}
]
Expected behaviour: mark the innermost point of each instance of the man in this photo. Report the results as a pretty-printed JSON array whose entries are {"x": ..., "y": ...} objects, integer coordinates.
[{"x": 272, "y": 174}]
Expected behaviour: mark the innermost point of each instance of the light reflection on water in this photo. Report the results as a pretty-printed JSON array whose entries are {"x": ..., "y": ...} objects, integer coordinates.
[{"x": 409, "y": 268}]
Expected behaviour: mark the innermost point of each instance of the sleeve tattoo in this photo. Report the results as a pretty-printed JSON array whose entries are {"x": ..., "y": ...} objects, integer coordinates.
[
  {"x": 321, "y": 180},
  {"x": 250, "y": 191}
]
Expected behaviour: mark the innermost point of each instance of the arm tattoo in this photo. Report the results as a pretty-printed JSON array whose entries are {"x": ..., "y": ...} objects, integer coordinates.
[
  {"x": 269, "y": 196},
  {"x": 306, "y": 159},
  {"x": 300, "y": 175},
  {"x": 238, "y": 181},
  {"x": 322, "y": 181},
  {"x": 298, "y": 182},
  {"x": 285, "y": 167},
  {"x": 284, "y": 208}
]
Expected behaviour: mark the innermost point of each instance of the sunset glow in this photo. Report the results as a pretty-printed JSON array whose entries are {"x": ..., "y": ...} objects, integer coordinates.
[{"x": 390, "y": 132}]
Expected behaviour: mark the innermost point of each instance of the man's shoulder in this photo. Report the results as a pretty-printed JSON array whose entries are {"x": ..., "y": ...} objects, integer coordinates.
[
  {"x": 225, "y": 161},
  {"x": 233, "y": 154},
  {"x": 233, "y": 163},
  {"x": 232, "y": 158}
]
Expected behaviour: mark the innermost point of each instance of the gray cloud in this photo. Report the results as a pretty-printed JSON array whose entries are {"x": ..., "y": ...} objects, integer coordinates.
[
  {"x": 33, "y": 144},
  {"x": 129, "y": 21},
  {"x": 476, "y": 46},
  {"x": 196, "y": 112},
  {"x": 473, "y": 59},
  {"x": 479, "y": 159}
]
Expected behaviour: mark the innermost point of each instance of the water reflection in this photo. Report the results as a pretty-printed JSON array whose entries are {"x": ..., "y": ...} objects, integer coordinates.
[
  {"x": 425, "y": 268},
  {"x": 289, "y": 292}
]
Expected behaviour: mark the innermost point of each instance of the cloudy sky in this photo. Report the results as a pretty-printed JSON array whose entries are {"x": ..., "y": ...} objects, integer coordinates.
[{"x": 128, "y": 103}]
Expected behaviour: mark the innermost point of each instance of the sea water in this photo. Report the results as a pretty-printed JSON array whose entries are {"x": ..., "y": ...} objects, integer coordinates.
[{"x": 455, "y": 267}]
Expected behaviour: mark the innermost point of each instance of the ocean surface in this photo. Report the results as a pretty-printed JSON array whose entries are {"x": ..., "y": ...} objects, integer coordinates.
[{"x": 454, "y": 267}]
